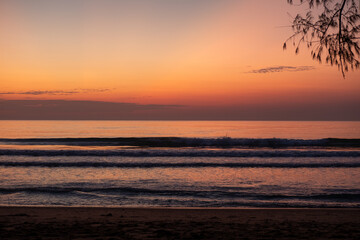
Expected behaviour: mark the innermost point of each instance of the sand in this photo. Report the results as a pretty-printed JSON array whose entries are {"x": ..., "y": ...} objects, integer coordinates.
[{"x": 151, "y": 223}]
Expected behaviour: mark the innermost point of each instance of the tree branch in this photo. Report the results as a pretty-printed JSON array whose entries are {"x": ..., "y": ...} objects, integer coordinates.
[{"x": 341, "y": 44}]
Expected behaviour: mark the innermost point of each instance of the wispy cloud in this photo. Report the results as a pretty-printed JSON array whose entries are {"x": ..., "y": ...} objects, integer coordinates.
[
  {"x": 283, "y": 69},
  {"x": 56, "y": 92}
]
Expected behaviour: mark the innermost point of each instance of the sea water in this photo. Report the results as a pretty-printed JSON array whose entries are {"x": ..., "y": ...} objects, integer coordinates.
[{"x": 180, "y": 163}]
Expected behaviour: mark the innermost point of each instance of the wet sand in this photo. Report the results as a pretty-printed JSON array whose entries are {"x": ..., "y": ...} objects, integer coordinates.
[{"x": 153, "y": 223}]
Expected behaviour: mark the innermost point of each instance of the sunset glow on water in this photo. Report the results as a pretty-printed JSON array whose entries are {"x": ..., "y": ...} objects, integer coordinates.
[{"x": 180, "y": 164}]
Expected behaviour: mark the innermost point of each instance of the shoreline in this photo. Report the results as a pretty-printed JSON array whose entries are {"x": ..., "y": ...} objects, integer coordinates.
[
  {"x": 62, "y": 222},
  {"x": 177, "y": 208}
]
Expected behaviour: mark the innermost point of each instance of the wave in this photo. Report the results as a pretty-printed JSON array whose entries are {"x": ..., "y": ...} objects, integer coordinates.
[
  {"x": 188, "y": 142},
  {"x": 182, "y": 153},
  {"x": 182, "y": 164},
  {"x": 242, "y": 193}
]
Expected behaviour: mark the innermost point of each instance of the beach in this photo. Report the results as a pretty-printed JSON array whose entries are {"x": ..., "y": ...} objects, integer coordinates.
[{"x": 172, "y": 223}]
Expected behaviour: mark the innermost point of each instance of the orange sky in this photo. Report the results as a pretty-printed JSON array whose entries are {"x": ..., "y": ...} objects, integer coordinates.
[{"x": 194, "y": 53}]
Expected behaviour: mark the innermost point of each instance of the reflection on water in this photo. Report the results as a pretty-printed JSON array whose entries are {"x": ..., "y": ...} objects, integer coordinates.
[
  {"x": 234, "y": 129},
  {"x": 261, "y": 173},
  {"x": 181, "y": 187}
]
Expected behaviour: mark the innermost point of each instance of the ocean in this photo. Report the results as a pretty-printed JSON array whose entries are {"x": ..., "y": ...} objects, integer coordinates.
[{"x": 201, "y": 164}]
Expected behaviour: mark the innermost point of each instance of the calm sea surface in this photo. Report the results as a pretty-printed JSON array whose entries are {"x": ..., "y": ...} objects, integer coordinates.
[{"x": 180, "y": 163}]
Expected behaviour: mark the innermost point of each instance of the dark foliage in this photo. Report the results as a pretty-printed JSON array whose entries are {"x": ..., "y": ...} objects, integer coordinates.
[{"x": 333, "y": 33}]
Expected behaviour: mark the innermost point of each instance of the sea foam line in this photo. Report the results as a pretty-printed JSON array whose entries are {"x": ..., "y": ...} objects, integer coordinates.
[
  {"x": 182, "y": 153},
  {"x": 180, "y": 165},
  {"x": 188, "y": 142},
  {"x": 241, "y": 193}
]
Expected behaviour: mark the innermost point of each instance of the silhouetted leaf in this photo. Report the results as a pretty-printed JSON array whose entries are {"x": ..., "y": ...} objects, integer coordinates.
[{"x": 335, "y": 30}]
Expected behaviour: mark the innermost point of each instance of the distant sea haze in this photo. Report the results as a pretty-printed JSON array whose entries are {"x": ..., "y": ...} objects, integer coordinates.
[
  {"x": 339, "y": 110},
  {"x": 232, "y": 164}
]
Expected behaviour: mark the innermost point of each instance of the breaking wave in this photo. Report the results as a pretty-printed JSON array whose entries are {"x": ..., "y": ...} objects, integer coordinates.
[
  {"x": 95, "y": 164},
  {"x": 182, "y": 153},
  {"x": 188, "y": 142},
  {"x": 241, "y": 192},
  {"x": 199, "y": 198}
]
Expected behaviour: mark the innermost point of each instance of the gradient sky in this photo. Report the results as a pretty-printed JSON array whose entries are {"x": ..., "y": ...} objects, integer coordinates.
[{"x": 167, "y": 59}]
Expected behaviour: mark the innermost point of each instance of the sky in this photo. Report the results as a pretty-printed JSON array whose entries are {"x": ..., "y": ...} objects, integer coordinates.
[{"x": 163, "y": 59}]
